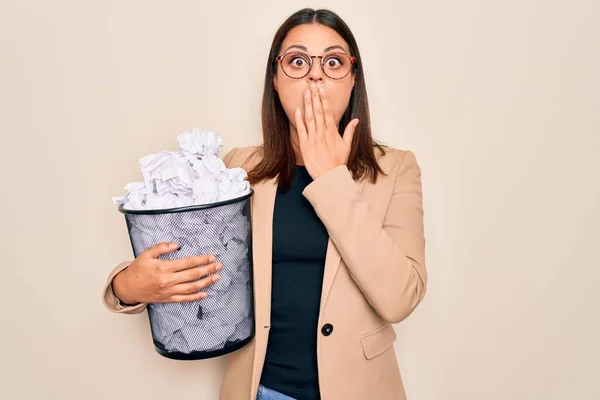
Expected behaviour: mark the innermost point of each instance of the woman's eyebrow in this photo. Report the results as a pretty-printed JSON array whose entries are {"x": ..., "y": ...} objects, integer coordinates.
[
  {"x": 305, "y": 49},
  {"x": 296, "y": 46},
  {"x": 333, "y": 47}
]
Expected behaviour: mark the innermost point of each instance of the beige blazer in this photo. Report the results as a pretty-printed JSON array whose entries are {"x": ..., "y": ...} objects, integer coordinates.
[{"x": 374, "y": 276}]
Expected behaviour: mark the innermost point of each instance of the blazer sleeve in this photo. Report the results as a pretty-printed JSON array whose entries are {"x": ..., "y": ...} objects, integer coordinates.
[
  {"x": 385, "y": 259},
  {"x": 110, "y": 300}
]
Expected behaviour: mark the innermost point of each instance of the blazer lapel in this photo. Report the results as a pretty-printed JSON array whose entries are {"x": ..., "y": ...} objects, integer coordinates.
[
  {"x": 262, "y": 204},
  {"x": 332, "y": 260}
]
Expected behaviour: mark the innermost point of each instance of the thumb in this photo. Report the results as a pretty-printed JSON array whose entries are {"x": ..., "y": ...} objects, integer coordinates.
[
  {"x": 349, "y": 131},
  {"x": 160, "y": 249}
]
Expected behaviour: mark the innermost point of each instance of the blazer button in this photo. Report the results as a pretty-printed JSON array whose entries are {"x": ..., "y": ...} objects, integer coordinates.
[{"x": 327, "y": 329}]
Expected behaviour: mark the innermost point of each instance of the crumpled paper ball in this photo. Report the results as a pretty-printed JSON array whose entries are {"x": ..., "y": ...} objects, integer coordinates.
[{"x": 195, "y": 175}]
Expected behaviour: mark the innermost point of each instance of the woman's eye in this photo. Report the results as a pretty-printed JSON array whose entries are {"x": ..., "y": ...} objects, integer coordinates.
[
  {"x": 333, "y": 62},
  {"x": 297, "y": 62}
]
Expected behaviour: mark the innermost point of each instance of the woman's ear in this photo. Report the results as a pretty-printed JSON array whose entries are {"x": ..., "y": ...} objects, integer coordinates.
[{"x": 275, "y": 82}]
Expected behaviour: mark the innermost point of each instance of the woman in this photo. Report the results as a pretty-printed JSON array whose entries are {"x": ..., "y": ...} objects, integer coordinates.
[{"x": 338, "y": 230}]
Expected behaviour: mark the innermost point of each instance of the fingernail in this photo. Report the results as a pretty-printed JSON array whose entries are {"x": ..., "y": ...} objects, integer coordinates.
[
  {"x": 219, "y": 266},
  {"x": 215, "y": 278},
  {"x": 212, "y": 259},
  {"x": 307, "y": 93},
  {"x": 174, "y": 245},
  {"x": 321, "y": 90}
]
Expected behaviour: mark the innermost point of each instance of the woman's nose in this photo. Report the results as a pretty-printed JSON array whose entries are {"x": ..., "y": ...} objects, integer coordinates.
[{"x": 316, "y": 72}]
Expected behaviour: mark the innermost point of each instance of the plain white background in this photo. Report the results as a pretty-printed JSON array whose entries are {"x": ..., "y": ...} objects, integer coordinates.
[{"x": 498, "y": 99}]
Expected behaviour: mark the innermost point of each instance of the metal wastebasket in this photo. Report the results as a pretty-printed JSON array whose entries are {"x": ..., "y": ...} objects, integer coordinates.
[{"x": 224, "y": 321}]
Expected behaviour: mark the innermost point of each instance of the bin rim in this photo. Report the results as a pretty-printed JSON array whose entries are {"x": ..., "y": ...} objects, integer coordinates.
[{"x": 186, "y": 208}]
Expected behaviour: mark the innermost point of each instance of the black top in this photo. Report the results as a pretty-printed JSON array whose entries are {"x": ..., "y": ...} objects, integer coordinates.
[{"x": 299, "y": 248}]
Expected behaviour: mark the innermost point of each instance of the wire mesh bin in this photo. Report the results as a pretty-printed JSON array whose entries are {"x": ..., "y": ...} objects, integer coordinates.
[{"x": 224, "y": 321}]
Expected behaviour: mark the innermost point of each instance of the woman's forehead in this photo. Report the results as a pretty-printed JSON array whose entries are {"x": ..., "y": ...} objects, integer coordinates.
[{"x": 315, "y": 38}]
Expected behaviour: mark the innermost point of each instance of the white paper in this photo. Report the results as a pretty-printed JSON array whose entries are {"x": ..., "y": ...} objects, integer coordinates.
[{"x": 193, "y": 176}]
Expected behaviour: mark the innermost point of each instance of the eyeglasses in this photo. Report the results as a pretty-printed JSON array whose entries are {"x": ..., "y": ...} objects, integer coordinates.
[{"x": 297, "y": 65}]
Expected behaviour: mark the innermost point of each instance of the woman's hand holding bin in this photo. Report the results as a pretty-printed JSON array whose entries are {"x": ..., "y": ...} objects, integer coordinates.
[{"x": 149, "y": 279}]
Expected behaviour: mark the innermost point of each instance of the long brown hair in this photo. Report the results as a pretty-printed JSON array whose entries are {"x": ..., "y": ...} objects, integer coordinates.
[{"x": 277, "y": 155}]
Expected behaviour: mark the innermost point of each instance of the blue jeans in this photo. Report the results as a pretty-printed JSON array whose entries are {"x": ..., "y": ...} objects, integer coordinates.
[{"x": 264, "y": 393}]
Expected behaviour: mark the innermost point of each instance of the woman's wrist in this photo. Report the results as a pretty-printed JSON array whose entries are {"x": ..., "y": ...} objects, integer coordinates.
[{"x": 117, "y": 287}]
